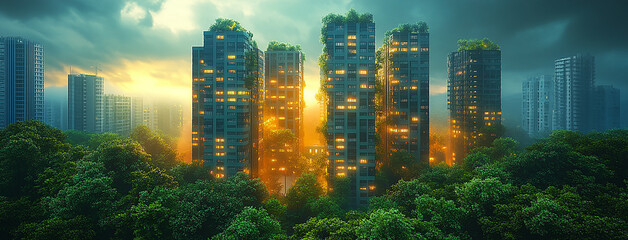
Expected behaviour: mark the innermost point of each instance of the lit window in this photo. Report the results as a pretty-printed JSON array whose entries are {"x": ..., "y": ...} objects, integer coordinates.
[
  {"x": 351, "y": 107},
  {"x": 415, "y": 119},
  {"x": 340, "y": 140},
  {"x": 414, "y": 49},
  {"x": 219, "y": 92},
  {"x": 340, "y": 107},
  {"x": 202, "y": 61},
  {"x": 201, "y": 112},
  {"x": 230, "y": 92},
  {"x": 231, "y": 56},
  {"x": 363, "y": 72},
  {"x": 351, "y": 100},
  {"x": 219, "y": 79},
  {"x": 363, "y": 86},
  {"x": 363, "y": 161},
  {"x": 340, "y": 71},
  {"x": 231, "y": 99},
  {"x": 220, "y": 36},
  {"x": 208, "y": 71},
  {"x": 232, "y": 70},
  {"x": 351, "y": 44},
  {"x": 351, "y": 37}
]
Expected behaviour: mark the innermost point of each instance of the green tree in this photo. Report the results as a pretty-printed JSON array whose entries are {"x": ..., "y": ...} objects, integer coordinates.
[
  {"x": 252, "y": 224},
  {"x": 160, "y": 148},
  {"x": 391, "y": 224},
  {"x": 325, "y": 229}
]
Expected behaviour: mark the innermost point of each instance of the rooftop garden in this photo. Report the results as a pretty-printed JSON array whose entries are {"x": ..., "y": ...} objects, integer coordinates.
[
  {"x": 474, "y": 44},
  {"x": 419, "y": 27},
  {"x": 226, "y": 25}
]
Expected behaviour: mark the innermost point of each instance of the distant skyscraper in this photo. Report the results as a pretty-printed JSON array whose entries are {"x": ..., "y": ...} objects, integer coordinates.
[
  {"x": 606, "y": 108},
  {"x": 117, "y": 114},
  {"x": 538, "y": 105},
  {"x": 169, "y": 118},
  {"x": 283, "y": 103},
  {"x": 405, "y": 75},
  {"x": 150, "y": 116},
  {"x": 56, "y": 113},
  {"x": 474, "y": 93},
  {"x": 137, "y": 112},
  {"x": 226, "y": 88},
  {"x": 350, "y": 89},
  {"x": 574, "y": 79},
  {"x": 85, "y": 102},
  {"x": 21, "y": 80}
]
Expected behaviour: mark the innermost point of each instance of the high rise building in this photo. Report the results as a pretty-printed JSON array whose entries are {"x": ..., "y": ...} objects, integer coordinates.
[
  {"x": 137, "y": 112},
  {"x": 85, "y": 102},
  {"x": 21, "y": 80},
  {"x": 348, "y": 81},
  {"x": 537, "y": 105},
  {"x": 606, "y": 108},
  {"x": 283, "y": 107},
  {"x": 405, "y": 78},
  {"x": 169, "y": 118},
  {"x": 226, "y": 100},
  {"x": 150, "y": 116},
  {"x": 473, "y": 94},
  {"x": 574, "y": 79},
  {"x": 117, "y": 114}
]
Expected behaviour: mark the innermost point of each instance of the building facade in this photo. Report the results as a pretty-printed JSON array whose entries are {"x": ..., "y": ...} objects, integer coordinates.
[
  {"x": 21, "y": 80},
  {"x": 283, "y": 109},
  {"x": 405, "y": 78},
  {"x": 607, "y": 108},
  {"x": 350, "y": 111},
  {"x": 473, "y": 96},
  {"x": 117, "y": 114},
  {"x": 537, "y": 105},
  {"x": 226, "y": 102},
  {"x": 85, "y": 102},
  {"x": 574, "y": 80}
]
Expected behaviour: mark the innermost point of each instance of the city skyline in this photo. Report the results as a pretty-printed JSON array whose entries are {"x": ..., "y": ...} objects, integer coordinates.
[{"x": 533, "y": 39}]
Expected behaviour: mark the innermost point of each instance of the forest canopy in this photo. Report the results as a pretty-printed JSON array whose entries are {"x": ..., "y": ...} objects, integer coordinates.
[{"x": 567, "y": 186}]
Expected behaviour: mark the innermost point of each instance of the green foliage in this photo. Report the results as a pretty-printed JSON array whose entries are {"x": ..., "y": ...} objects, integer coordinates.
[
  {"x": 325, "y": 228},
  {"x": 567, "y": 186},
  {"x": 252, "y": 224},
  {"x": 387, "y": 224},
  {"x": 226, "y": 25},
  {"x": 419, "y": 27},
  {"x": 474, "y": 44},
  {"x": 160, "y": 147}
]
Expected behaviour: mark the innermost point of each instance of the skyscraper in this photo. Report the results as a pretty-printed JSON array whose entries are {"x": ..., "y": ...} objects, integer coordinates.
[
  {"x": 348, "y": 81},
  {"x": 21, "y": 80},
  {"x": 537, "y": 105},
  {"x": 473, "y": 94},
  {"x": 606, "y": 108},
  {"x": 137, "y": 112},
  {"x": 405, "y": 76},
  {"x": 226, "y": 99},
  {"x": 574, "y": 79},
  {"x": 283, "y": 107},
  {"x": 85, "y": 102},
  {"x": 116, "y": 114}
]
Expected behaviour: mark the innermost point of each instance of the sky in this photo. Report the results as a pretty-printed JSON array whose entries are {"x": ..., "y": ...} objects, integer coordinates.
[{"x": 143, "y": 47}]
